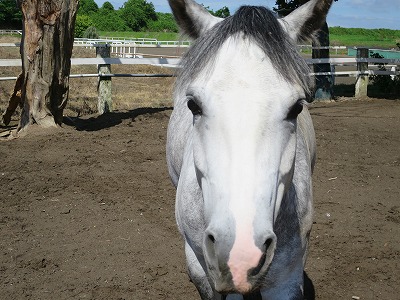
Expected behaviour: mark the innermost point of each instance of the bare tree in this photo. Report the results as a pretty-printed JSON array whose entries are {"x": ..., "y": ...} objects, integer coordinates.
[
  {"x": 323, "y": 83},
  {"x": 46, "y": 49}
]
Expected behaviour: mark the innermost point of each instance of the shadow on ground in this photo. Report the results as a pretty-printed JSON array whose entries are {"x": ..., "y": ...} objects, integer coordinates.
[{"x": 111, "y": 119}]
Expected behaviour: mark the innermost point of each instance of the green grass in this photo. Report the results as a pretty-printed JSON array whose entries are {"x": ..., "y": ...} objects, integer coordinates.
[
  {"x": 372, "y": 38},
  {"x": 160, "y": 36},
  {"x": 339, "y": 36}
]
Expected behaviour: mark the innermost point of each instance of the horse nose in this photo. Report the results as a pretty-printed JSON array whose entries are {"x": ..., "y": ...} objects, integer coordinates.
[
  {"x": 236, "y": 261},
  {"x": 250, "y": 259}
]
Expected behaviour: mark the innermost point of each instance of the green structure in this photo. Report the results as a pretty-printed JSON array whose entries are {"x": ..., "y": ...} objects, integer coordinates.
[{"x": 389, "y": 54}]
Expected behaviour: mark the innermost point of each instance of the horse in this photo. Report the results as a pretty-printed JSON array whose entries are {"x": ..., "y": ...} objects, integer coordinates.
[{"x": 241, "y": 149}]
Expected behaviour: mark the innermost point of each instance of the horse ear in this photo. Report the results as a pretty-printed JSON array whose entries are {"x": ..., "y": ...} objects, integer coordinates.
[
  {"x": 303, "y": 22},
  {"x": 192, "y": 18}
]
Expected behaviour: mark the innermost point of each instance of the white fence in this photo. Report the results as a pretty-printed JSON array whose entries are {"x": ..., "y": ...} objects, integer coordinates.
[
  {"x": 363, "y": 67},
  {"x": 373, "y": 64},
  {"x": 174, "y": 63},
  {"x": 167, "y": 62},
  {"x": 7, "y": 31},
  {"x": 310, "y": 47},
  {"x": 120, "y": 45},
  {"x": 125, "y": 48}
]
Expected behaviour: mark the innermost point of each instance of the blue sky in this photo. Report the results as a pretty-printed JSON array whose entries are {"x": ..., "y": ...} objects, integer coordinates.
[{"x": 344, "y": 13}]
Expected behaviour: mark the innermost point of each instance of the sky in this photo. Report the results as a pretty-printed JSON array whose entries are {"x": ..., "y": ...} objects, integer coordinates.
[{"x": 344, "y": 13}]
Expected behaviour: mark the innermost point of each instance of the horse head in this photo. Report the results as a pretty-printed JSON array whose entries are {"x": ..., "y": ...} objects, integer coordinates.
[{"x": 244, "y": 85}]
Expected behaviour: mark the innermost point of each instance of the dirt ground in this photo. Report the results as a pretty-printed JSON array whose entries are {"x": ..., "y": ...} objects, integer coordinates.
[{"x": 87, "y": 212}]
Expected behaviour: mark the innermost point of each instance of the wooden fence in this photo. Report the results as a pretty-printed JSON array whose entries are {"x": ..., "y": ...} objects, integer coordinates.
[{"x": 363, "y": 68}]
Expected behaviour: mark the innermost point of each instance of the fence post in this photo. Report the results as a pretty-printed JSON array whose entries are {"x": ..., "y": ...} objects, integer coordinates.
[
  {"x": 361, "y": 89},
  {"x": 104, "y": 103},
  {"x": 323, "y": 83}
]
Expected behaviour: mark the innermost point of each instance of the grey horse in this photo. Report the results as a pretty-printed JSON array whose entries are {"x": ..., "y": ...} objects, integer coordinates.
[{"x": 241, "y": 150}]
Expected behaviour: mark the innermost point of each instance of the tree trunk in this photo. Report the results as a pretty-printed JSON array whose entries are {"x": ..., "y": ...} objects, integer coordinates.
[
  {"x": 46, "y": 49},
  {"x": 323, "y": 83}
]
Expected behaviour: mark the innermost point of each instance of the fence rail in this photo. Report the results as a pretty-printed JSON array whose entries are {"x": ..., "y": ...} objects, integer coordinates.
[
  {"x": 171, "y": 62},
  {"x": 310, "y": 47},
  {"x": 174, "y": 62},
  {"x": 364, "y": 66},
  {"x": 393, "y": 64},
  {"x": 8, "y": 31},
  {"x": 114, "y": 42}
]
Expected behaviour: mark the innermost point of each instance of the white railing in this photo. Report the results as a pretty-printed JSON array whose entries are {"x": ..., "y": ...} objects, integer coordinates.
[
  {"x": 373, "y": 64},
  {"x": 360, "y": 73},
  {"x": 130, "y": 48},
  {"x": 8, "y": 31},
  {"x": 364, "y": 67},
  {"x": 138, "y": 42},
  {"x": 174, "y": 62},
  {"x": 310, "y": 48}
]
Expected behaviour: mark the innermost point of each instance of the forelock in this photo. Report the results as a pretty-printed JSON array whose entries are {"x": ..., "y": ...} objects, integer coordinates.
[{"x": 260, "y": 26}]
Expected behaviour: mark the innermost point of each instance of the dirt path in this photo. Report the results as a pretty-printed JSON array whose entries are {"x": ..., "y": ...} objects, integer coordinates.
[{"x": 88, "y": 214}]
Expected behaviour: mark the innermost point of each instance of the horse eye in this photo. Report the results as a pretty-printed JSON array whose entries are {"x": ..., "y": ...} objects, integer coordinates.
[
  {"x": 295, "y": 110},
  {"x": 194, "y": 107}
]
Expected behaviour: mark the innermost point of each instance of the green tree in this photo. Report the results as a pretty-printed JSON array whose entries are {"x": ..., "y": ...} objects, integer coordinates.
[
  {"x": 107, "y": 6},
  {"x": 165, "y": 22},
  {"x": 109, "y": 20},
  {"x": 286, "y": 7},
  {"x": 82, "y": 23},
  {"x": 137, "y": 13},
  {"x": 222, "y": 12},
  {"x": 10, "y": 15},
  {"x": 86, "y": 7}
]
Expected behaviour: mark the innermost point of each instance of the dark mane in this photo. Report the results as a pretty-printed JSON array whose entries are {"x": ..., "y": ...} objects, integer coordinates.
[{"x": 260, "y": 25}]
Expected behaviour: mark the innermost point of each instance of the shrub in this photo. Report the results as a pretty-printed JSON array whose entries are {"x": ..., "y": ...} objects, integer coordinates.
[
  {"x": 82, "y": 23},
  {"x": 91, "y": 33},
  {"x": 384, "y": 83},
  {"x": 165, "y": 22}
]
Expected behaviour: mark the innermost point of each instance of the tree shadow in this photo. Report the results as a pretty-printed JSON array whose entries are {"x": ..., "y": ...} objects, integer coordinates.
[
  {"x": 374, "y": 91},
  {"x": 110, "y": 119}
]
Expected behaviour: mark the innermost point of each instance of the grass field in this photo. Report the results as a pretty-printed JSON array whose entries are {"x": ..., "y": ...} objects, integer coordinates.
[
  {"x": 372, "y": 38},
  {"x": 160, "y": 36},
  {"x": 339, "y": 36}
]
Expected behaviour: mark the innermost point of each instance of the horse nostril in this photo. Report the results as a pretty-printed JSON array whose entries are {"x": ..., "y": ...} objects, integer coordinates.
[
  {"x": 211, "y": 238},
  {"x": 266, "y": 245},
  {"x": 255, "y": 271}
]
